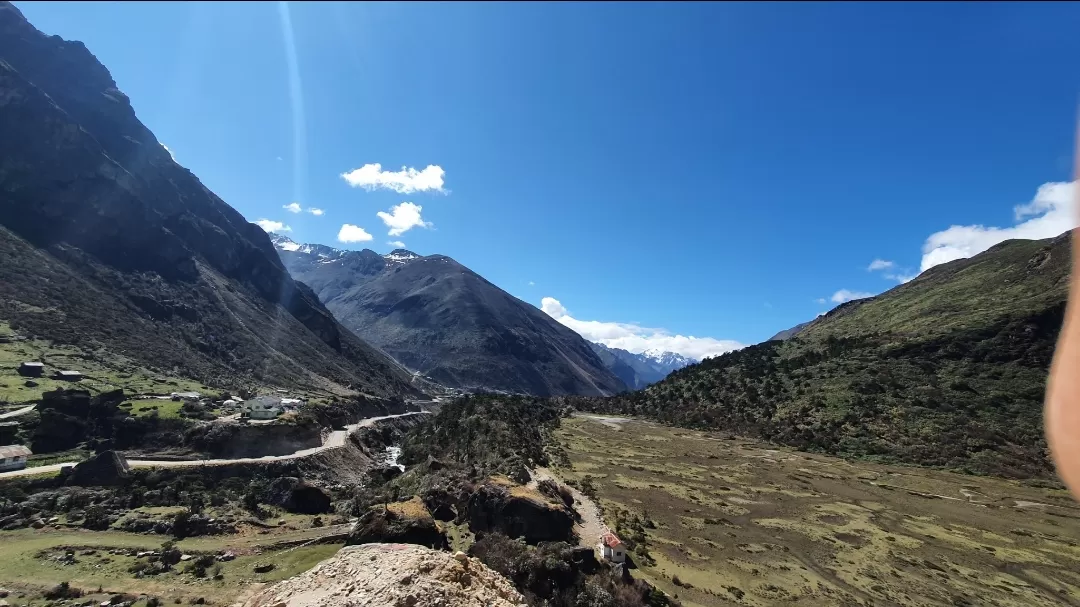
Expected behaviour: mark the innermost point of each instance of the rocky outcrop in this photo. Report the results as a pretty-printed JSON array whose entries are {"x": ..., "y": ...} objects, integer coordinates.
[
  {"x": 393, "y": 575},
  {"x": 519, "y": 512},
  {"x": 102, "y": 470},
  {"x": 69, "y": 417},
  {"x": 400, "y": 522},
  {"x": 295, "y": 495},
  {"x": 112, "y": 244},
  {"x": 239, "y": 440}
]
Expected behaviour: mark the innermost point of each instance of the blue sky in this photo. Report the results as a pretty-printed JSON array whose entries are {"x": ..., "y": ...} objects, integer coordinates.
[{"x": 661, "y": 170}]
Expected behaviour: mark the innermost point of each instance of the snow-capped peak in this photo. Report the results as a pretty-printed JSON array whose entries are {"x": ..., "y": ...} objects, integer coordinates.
[
  {"x": 666, "y": 358},
  {"x": 400, "y": 256},
  {"x": 284, "y": 243}
]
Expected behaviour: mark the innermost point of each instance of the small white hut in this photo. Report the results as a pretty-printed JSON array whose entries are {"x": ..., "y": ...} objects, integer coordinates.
[{"x": 611, "y": 548}]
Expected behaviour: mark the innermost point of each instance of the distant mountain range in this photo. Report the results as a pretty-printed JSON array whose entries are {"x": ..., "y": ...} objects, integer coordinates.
[
  {"x": 109, "y": 245},
  {"x": 444, "y": 321},
  {"x": 640, "y": 370}
]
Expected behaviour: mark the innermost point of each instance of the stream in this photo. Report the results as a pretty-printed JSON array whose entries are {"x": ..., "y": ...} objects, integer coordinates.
[{"x": 392, "y": 455}]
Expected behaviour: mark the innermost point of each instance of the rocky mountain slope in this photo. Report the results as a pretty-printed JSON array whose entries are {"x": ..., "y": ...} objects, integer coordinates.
[
  {"x": 443, "y": 320},
  {"x": 792, "y": 332},
  {"x": 946, "y": 370},
  {"x": 640, "y": 370},
  {"x": 392, "y": 575},
  {"x": 108, "y": 244}
]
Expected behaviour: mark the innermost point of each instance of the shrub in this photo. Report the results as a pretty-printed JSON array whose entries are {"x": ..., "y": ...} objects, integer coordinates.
[
  {"x": 63, "y": 590},
  {"x": 200, "y": 564}
]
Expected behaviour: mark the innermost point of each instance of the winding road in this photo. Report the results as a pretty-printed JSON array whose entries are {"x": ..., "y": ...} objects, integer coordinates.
[{"x": 334, "y": 440}]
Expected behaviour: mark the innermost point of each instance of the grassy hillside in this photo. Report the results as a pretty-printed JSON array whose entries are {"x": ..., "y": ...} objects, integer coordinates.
[{"x": 947, "y": 370}]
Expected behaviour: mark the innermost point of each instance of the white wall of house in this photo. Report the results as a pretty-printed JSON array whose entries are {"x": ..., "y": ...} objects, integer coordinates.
[
  {"x": 12, "y": 463},
  {"x": 264, "y": 413},
  {"x": 615, "y": 555}
]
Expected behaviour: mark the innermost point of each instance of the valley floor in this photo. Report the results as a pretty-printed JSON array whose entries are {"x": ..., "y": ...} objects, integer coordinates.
[
  {"x": 740, "y": 522},
  {"x": 31, "y": 560}
]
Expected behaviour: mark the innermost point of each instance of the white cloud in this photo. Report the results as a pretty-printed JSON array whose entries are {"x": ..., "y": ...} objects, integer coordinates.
[
  {"x": 397, "y": 244},
  {"x": 171, "y": 155},
  {"x": 902, "y": 277},
  {"x": 880, "y": 264},
  {"x": 635, "y": 338},
  {"x": 316, "y": 212},
  {"x": 292, "y": 207},
  {"x": 532, "y": 284},
  {"x": 820, "y": 300},
  {"x": 1049, "y": 214},
  {"x": 272, "y": 226},
  {"x": 351, "y": 233},
  {"x": 406, "y": 181},
  {"x": 403, "y": 218},
  {"x": 845, "y": 295}
]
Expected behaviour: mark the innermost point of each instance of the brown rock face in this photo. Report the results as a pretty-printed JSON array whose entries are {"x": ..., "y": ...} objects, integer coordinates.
[
  {"x": 393, "y": 575},
  {"x": 400, "y": 522},
  {"x": 518, "y": 512}
]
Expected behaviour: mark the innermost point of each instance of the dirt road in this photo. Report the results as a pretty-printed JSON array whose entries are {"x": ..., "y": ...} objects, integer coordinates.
[
  {"x": 17, "y": 412},
  {"x": 591, "y": 526},
  {"x": 334, "y": 440}
]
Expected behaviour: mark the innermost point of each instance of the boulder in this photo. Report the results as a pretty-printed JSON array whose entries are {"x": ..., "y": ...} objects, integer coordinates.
[
  {"x": 105, "y": 469},
  {"x": 296, "y": 496},
  {"x": 407, "y": 522},
  {"x": 444, "y": 513},
  {"x": 434, "y": 465},
  {"x": 519, "y": 512},
  {"x": 584, "y": 559},
  {"x": 384, "y": 474}
]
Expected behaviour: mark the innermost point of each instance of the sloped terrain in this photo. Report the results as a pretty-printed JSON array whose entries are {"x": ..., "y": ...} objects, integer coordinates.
[
  {"x": 440, "y": 318},
  {"x": 392, "y": 575},
  {"x": 109, "y": 245},
  {"x": 947, "y": 370},
  {"x": 734, "y": 521}
]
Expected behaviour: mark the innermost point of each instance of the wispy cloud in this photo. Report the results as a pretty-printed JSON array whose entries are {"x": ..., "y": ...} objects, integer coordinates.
[
  {"x": 293, "y": 207},
  {"x": 272, "y": 226},
  {"x": 635, "y": 338},
  {"x": 845, "y": 295},
  {"x": 403, "y": 218},
  {"x": 406, "y": 181},
  {"x": 351, "y": 233},
  {"x": 820, "y": 300},
  {"x": 397, "y": 244},
  {"x": 892, "y": 271},
  {"x": 1050, "y": 213},
  {"x": 316, "y": 212},
  {"x": 532, "y": 284}
]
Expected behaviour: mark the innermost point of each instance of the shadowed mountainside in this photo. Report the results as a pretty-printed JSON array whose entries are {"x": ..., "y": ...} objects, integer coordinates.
[
  {"x": 107, "y": 243},
  {"x": 443, "y": 320}
]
